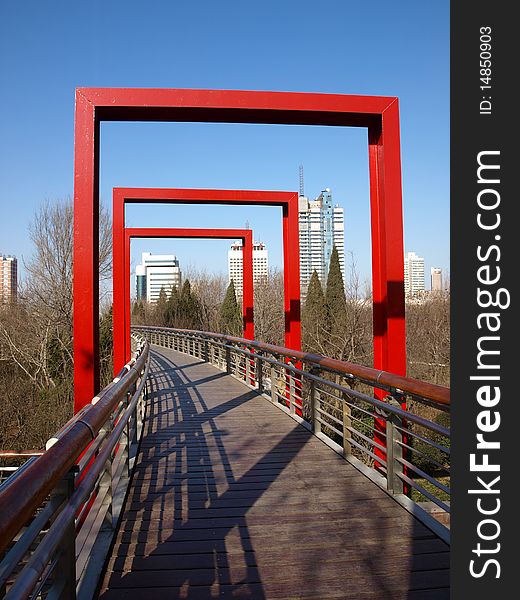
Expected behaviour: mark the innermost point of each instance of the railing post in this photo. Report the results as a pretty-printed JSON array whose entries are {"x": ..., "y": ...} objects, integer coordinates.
[
  {"x": 228, "y": 359},
  {"x": 128, "y": 431},
  {"x": 259, "y": 373},
  {"x": 347, "y": 425},
  {"x": 65, "y": 569},
  {"x": 106, "y": 482},
  {"x": 247, "y": 373},
  {"x": 292, "y": 407},
  {"x": 141, "y": 407},
  {"x": 394, "y": 451},
  {"x": 314, "y": 402},
  {"x": 274, "y": 385}
]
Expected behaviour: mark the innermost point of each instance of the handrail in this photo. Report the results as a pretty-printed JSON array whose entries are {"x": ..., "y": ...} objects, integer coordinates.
[
  {"x": 50, "y": 543},
  {"x": 436, "y": 393},
  {"x": 20, "y": 499},
  {"x": 16, "y": 471},
  {"x": 403, "y": 447}
]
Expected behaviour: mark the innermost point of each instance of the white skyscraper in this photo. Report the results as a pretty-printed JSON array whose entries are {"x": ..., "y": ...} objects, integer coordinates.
[
  {"x": 322, "y": 226},
  {"x": 413, "y": 274},
  {"x": 156, "y": 272},
  {"x": 235, "y": 264}
]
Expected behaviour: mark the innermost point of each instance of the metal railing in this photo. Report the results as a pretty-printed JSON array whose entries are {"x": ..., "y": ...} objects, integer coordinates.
[
  {"x": 17, "y": 460},
  {"x": 402, "y": 442},
  {"x": 59, "y": 511}
]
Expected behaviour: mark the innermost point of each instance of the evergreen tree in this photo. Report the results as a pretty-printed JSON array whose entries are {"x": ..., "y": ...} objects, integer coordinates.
[
  {"x": 335, "y": 290},
  {"x": 313, "y": 315},
  {"x": 172, "y": 308},
  {"x": 188, "y": 308},
  {"x": 106, "y": 347},
  {"x": 138, "y": 312},
  {"x": 335, "y": 306},
  {"x": 230, "y": 316},
  {"x": 161, "y": 308}
]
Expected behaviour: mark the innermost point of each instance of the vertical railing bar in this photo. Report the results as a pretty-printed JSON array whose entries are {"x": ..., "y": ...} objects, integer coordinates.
[
  {"x": 347, "y": 435},
  {"x": 274, "y": 385},
  {"x": 259, "y": 373},
  {"x": 292, "y": 400}
]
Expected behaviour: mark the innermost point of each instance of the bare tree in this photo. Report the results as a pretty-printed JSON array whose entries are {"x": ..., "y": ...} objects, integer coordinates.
[
  {"x": 269, "y": 308},
  {"x": 36, "y": 359},
  {"x": 50, "y": 268},
  {"x": 428, "y": 338},
  {"x": 210, "y": 291}
]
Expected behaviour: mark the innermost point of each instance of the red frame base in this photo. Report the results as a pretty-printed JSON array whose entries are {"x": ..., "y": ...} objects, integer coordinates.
[{"x": 121, "y": 272}]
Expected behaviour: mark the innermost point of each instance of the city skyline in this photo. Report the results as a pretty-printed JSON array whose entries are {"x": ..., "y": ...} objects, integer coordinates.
[
  {"x": 37, "y": 137},
  {"x": 414, "y": 271}
]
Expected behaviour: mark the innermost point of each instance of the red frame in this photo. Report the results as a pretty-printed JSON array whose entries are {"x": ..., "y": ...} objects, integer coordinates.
[
  {"x": 287, "y": 200},
  {"x": 121, "y": 271},
  {"x": 380, "y": 115}
]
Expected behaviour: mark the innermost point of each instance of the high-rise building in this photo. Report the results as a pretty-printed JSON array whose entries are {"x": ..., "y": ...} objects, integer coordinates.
[
  {"x": 9, "y": 279},
  {"x": 140, "y": 282},
  {"x": 413, "y": 274},
  {"x": 436, "y": 279},
  {"x": 156, "y": 272},
  {"x": 322, "y": 226},
  {"x": 235, "y": 264}
]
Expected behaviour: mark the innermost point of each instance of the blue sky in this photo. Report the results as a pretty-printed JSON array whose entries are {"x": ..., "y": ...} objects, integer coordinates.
[{"x": 47, "y": 49}]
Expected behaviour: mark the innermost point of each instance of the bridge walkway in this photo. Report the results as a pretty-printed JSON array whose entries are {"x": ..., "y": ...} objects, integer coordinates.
[{"x": 231, "y": 498}]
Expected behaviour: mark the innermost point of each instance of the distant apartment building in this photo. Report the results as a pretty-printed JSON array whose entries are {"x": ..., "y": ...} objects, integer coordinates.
[
  {"x": 436, "y": 279},
  {"x": 9, "y": 279},
  {"x": 156, "y": 272},
  {"x": 321, "y": 227},
  {"x": 235, "y": 264},
  {"x": 413, "y": 274}
]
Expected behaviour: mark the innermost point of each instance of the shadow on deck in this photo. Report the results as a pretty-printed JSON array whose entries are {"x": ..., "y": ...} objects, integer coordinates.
[{"x": 231, "y": 498}]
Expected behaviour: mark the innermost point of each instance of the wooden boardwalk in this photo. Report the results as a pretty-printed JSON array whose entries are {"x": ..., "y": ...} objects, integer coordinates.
[{"x": 231, "y": 498}]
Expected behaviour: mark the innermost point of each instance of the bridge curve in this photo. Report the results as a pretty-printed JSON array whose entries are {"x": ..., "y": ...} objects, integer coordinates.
[{"x": 232, "y": 498}]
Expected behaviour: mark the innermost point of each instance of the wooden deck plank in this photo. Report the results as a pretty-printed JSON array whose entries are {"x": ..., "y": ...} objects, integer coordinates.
[{"x": 231, "y": 498}]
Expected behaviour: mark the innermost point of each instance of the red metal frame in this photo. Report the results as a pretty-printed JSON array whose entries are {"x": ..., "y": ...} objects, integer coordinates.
[
  {"x": 287, "y": 200},
  {"x": 380, "y": 115},
  {"x": 121, "y": 270}
]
